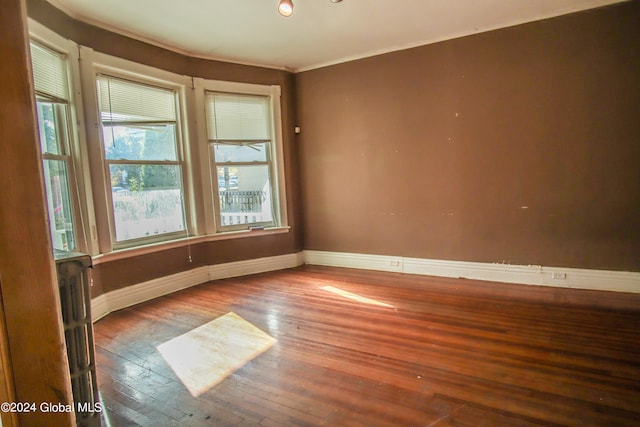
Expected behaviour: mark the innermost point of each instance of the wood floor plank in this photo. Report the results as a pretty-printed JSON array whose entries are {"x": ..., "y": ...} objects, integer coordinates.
[{"x": 357, "y": 348}]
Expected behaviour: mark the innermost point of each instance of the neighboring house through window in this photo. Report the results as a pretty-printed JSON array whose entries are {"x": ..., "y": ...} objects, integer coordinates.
[{"x": 244, "y": 151}]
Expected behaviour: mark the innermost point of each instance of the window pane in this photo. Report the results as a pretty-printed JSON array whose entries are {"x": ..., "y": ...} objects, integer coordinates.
[
  {"x": 245, "y": 195},
  {"x": 59, "y": 203},
  {"x": 241, "y": 153},
  {"x": 51, "y": 127},
  {"x": 149, "y": 142},
  {"x": 147, "y": 200}
]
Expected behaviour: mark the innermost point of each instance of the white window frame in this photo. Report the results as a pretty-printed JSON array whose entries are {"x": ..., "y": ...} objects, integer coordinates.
[
  {"x": 212, "y": 225},
  {"x": 76, "y": 157},
  {"x": 94, "y": 64}
]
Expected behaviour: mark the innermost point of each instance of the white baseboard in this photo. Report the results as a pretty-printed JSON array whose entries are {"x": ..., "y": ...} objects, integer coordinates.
[
  {"x": 135, "y": 294},
  {"x": 99, "y": 307},
  {"x": 253, "y": 266},
  {"x": 604, "y": 280},
  {"x": 351, "y": 260}
]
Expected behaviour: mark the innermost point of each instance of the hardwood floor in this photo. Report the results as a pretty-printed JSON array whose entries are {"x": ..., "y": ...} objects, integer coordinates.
[{"x": 418, "y": 351}]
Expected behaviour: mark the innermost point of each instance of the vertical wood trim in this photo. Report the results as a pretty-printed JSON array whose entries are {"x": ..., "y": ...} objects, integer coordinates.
[
  {"x": 7, "y": 394},
  {"x": 29, "y": 287}
]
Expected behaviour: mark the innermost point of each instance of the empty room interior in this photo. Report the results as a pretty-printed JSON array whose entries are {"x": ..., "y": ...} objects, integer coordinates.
[{"x": 320, "y": 212}]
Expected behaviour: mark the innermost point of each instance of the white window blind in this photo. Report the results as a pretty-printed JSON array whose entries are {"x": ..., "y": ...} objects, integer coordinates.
[
  {"x": 236, "y": 117},
  {"x": 124, "y": 101},
  {"x": 49, "y": 73}
]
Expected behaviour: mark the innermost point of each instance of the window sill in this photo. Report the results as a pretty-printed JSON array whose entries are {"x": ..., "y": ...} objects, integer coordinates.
[{"x": 179, "y": 243}]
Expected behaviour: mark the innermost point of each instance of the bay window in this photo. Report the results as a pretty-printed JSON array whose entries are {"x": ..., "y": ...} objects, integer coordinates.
[{"x": 160, "y": 162}]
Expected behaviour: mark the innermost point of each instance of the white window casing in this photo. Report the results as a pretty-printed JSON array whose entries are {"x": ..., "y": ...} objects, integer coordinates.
[
  {"x": 62, "y": 84},
  {"x": 245, "y": 133},
  {"x": 114, "y": 89}
]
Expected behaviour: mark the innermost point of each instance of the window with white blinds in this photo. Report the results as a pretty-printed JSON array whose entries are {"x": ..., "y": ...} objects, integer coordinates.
[
  {"x": 141, "y": 147},
  {"x": 239, "y": 130},
  {"x": 51, "y": 81}
]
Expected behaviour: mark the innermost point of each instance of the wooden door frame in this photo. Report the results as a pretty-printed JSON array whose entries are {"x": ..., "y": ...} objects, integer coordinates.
[{"x": 33, "y": 355}]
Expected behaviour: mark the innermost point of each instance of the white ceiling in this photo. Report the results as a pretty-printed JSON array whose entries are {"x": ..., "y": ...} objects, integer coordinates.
[{"x": 319, "y": 33}]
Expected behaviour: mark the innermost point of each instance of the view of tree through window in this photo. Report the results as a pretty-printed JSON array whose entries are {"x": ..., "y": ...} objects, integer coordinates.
[
  {"x": 139, "y": 127},
  {"x": 51, "y": 121},
  {"x": 52, "y": 100}
]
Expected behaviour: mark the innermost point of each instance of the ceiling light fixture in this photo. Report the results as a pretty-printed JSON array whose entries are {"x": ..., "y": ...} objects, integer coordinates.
[{"x": 285, "y": 7}]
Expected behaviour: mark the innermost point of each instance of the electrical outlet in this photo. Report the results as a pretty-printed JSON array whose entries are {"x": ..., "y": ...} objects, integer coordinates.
[{"x": 558, "y": 276}]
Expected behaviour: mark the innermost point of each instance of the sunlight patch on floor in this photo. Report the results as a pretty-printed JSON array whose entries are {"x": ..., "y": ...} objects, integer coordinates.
[
  {"x": 206, "y": 355},
  {"x": 355, "y": 297}
]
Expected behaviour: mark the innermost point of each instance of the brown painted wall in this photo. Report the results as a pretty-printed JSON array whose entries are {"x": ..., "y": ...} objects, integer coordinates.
[
  {"x": 108, "y": 276},
  {"x": 130, "y": 271},
  {"x": 520, "y": 145}
]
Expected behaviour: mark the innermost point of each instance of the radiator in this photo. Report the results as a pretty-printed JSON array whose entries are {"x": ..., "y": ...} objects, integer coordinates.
[{"x": 75, "y": 299}]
